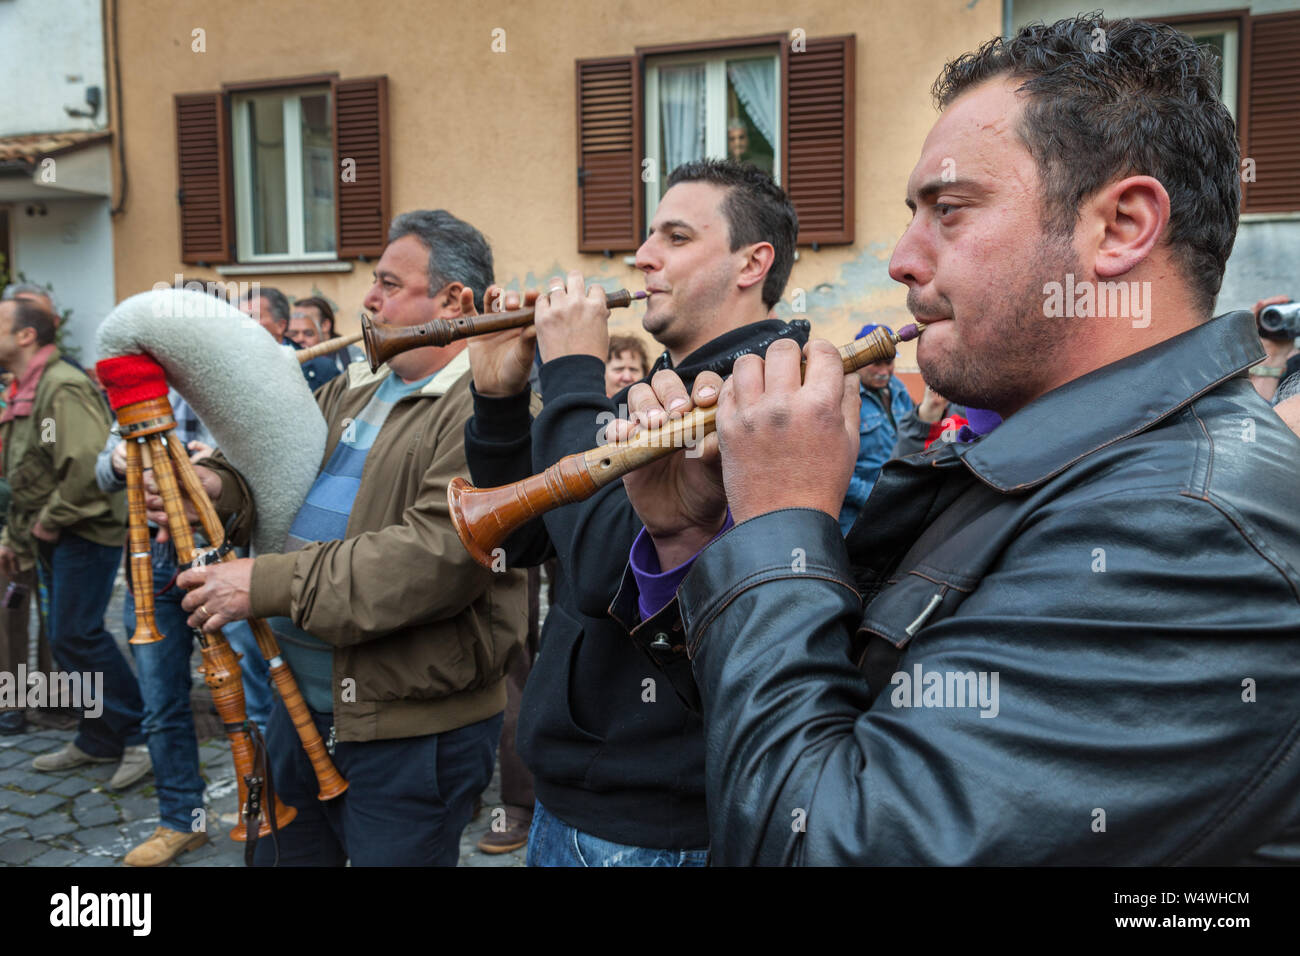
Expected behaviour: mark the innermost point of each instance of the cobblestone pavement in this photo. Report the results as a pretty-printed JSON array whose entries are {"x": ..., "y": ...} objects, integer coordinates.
[{"x": 71, "y": 818}]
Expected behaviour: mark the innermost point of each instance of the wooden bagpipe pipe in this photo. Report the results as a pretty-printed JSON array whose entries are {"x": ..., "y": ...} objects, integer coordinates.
[{"x": 250, "y": 394}]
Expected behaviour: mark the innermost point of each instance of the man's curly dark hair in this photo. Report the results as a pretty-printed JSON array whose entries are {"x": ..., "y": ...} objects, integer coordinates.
[{"x": 1114, "y": 98}]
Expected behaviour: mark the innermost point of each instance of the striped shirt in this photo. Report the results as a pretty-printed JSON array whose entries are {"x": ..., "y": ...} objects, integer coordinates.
[{"x": 324, "y": 517}]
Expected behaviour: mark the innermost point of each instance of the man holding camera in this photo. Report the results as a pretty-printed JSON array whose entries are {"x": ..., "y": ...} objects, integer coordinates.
[{"x": 1278, "y": 321}]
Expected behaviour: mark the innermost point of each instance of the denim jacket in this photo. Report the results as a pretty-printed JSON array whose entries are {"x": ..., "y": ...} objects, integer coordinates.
[
  {"x": 1073, "y": 641},
  {"x": 877, "y": 432}
]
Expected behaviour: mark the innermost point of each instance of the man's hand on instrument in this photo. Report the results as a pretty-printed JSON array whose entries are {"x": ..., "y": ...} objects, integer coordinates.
[
  {"x": 8, "y": 562},
  {"x": 118, "y": 459},
  {"x": 153, "y": 502},
  {"x": 48, "y": 535},
  {"x": 501, "y": 362},
  {"x": 680, "y": 499},
  {"x": 787, "y": 444},
  {"x": 199, "y": 450},
  {"x": 218, "y": 593},
  {"x": 572, "y": 319}
]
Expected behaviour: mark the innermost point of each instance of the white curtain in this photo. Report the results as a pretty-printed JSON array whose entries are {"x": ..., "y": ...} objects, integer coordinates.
[
  {"x": 681, "y": 111},
  {"x": 755, "y": 84}
]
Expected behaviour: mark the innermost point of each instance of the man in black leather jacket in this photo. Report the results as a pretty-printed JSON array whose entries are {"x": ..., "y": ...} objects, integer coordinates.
[{"x": 1075, "y": 640}]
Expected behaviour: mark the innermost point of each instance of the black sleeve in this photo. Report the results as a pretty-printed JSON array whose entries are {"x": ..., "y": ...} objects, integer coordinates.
[
  {"x": 498, "y": 449},
  {"x": 591, "y": 538}
]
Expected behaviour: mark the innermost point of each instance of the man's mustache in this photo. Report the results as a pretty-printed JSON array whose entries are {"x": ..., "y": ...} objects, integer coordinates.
[{"x": 923, "y": 311}]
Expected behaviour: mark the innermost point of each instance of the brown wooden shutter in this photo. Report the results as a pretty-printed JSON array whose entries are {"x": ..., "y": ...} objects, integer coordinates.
[
  {"x": 818, "y": 138},
  {"x": 1271, "y": 135},
  {"x": 203, "y": 178},
  {"x": 361, "y": 134},
  {"x": 610, "y": 192}
]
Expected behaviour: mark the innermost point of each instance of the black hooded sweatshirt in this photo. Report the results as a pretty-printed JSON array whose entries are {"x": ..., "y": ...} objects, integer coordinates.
[{"x": 612, "y": 749}]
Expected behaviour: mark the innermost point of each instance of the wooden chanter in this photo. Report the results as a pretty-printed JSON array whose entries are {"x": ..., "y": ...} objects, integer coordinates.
[
  {"x": 383, "y": 340},
  {"x": 485, "y": 517}
]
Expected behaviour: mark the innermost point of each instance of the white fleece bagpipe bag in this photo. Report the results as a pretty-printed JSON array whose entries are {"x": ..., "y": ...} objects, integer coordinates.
[{"x": 249, "y": 392}]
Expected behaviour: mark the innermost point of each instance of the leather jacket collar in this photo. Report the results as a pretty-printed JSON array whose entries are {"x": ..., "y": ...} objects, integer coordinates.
[{"x": 1116, "y": 401}]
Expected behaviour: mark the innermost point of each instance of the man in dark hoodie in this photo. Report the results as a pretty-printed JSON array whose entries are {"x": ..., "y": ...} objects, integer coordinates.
[{"x": 618, "y": 761}]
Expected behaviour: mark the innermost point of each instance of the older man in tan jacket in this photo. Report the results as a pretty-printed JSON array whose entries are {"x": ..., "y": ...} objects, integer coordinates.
[{"x": 399, "y": 641}]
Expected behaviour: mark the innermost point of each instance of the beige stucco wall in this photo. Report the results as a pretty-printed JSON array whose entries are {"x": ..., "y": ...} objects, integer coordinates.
[{"x": 491, "y": 136}]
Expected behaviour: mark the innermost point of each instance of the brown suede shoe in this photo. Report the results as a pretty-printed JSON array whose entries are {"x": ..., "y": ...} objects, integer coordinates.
[
  {"x": 514, "y": 836},
  {"x": 164, "y": 846}
]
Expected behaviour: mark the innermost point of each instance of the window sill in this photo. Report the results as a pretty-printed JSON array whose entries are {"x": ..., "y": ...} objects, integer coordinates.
[
  {"x": 284, "y": 268},
  {"x": 1270, "y": 216}
]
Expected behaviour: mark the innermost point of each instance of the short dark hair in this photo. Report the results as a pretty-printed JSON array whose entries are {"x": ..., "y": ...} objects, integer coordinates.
[
  {"x": 457, "y": 251},
  {"x": 1113, "y": 98},
  {"x": 279, "y": 301},
  {"x": 757, "y": 210},
  {"x": 618, "y": 344},
  {"x": 32, "y": 315},
  {"x": 320, "y": 305}
]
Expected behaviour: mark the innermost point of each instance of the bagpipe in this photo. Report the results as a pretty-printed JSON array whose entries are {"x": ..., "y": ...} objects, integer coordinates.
[{"x": 251, "y": 395}]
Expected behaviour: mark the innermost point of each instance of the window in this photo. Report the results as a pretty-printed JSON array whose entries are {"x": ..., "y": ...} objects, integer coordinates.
[
  {"x": 1260, "y": 87},
  {"x": 284, "y": 175},
  {"x": 711, "y": 105},
  {"x": 282, "y": 171},
  {"x": 1222, "y": 37},
  {"x": 783, "y": 102}
]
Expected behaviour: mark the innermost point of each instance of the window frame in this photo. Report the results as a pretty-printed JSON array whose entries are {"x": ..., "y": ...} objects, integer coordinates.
[
  {"x": 779, "y": 41},
  {"x": 291, "y": 105},
  {"x": 714, "y": 59},
  {"x": 1221, "y": 21}
]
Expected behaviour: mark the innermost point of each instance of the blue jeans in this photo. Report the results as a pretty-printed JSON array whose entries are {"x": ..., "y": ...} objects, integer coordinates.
[
  {"x": 165, "y": 680},
  {"x": 165, "y": 683},
  {"x": 407, "y": 803},
  {"x": 552, "y": 842},
  {"x": 77, "y": 575}
]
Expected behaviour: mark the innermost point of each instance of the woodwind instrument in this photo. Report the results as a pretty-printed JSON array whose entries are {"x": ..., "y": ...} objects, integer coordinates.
[
  {"x": 137, "y": 391},
  {"x": 383, "y": 340},
  {"x": 328, "y": 346},
  {"x": 485, "y": 517},
  {"x": 328, "y": 778}
]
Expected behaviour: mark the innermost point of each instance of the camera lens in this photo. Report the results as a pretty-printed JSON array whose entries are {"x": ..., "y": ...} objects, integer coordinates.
[{"x": 1281, "y": 319}]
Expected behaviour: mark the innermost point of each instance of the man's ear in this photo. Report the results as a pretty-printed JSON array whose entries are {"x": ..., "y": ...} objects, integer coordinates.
[
  {"x": 758, "y": 262},
  {"x": 1130, "y": 217},
  {"x": 449, "y": 298}
]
